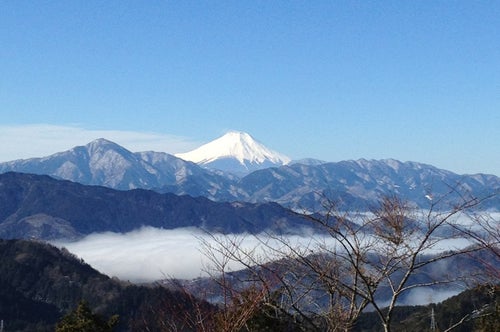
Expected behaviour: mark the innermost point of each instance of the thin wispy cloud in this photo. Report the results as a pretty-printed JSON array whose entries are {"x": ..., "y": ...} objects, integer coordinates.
[
  {"x": 423, "y": 296},
  {"x": 40, "y": 140}
]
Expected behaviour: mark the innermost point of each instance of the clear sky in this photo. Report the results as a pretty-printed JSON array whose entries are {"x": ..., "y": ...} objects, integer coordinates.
[{"x": 333, "y": 80}]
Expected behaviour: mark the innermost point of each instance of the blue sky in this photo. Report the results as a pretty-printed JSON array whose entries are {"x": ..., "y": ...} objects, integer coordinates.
[{"x": 333, "y": 80}]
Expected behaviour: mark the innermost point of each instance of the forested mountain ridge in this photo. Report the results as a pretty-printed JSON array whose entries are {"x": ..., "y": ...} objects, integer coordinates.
[
  {"x": 40, "y": 284},
  {"x": 479, "y": 308},
  {"x": 37, "y": 206}
]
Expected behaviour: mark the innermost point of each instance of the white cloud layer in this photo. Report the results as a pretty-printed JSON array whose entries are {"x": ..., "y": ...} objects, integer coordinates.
[
  {"x": 149, "y": 254},
  {"x": 40, "y": 140},
  {"x": 146, "y": 254}
]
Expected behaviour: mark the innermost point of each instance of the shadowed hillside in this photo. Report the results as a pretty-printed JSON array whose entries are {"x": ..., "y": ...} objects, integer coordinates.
[
  {"x": 37, "y": 206},
  {"x": 40, "y": 283}
]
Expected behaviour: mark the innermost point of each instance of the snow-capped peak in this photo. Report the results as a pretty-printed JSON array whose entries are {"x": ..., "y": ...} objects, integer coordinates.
[{"x": 238, "y": 146}]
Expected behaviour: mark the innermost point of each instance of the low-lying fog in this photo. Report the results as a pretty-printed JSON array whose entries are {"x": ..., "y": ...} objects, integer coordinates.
[
  {"x": 149, "y": 254},
  {"x": 142, "y": 255}
]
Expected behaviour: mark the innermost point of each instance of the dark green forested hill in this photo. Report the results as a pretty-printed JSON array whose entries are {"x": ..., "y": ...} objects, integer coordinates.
[
  {"x": 39, "y": 284},
  {"x": 476, "y": 309}
]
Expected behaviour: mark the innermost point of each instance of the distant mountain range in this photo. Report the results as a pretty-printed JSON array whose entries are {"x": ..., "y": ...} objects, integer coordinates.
[
  {"x": 360, "y": 184},
  {"x": 222, "y": 173}
]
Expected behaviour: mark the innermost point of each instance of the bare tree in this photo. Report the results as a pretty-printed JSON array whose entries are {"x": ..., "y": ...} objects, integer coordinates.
[
  {"x": 484, "y": 230},
  {"x": 328, "y": 281},
  {"x": 240, "y": 299}
]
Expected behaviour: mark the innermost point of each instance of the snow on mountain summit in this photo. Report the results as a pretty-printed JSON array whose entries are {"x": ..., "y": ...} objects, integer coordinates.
[{"x": 237, "y": 152}]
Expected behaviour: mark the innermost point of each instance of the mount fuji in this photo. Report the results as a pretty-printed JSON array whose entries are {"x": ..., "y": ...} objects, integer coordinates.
[{"x": 235, "y": 152}]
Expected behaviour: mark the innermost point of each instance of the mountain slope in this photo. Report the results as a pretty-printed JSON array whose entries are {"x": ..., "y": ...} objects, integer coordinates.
[
  {"x": 102, "y": 162},
  {"x": 99, "y": 162},
  {"x": 186, "y": 178},
  {"x": 35, "y": 206},
  {"x": 298, "y": 185},
  {"x": 40, "y": 283},
  {"x": 235, "y": 152},
  {"x": 360, "y": 184}
]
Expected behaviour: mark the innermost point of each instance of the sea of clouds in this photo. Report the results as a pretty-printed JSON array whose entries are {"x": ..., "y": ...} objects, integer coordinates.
[
  {"x": 143, "y": 255},
  {"x": 150, "y": 254}
]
